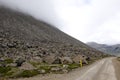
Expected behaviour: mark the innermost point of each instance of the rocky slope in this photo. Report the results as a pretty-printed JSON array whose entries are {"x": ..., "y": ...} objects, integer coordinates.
[
  {"x": 29, "y": 47},
  {"x": 111, "y": 49}
]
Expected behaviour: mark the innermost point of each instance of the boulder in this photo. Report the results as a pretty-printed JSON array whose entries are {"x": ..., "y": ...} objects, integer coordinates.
[
  {"x": 50, "y": 59},
  {"x": 77, "y": 59},
  {"x": 2, "y": 65},
  {"x": 11, "y": 45},
  {"x": 57, "y": 61},
  {"x": 65, "y": 71},
  {"x": 1, "y": 39},
  {"x": 42, "y": 71},
  {"x": 19, "y": 61},
  {"x": 37, "y": 59},
  {"x": 12, "y": 64},
  {"x": 66, "y": 60},
  {"x": 27, "y": 66}
]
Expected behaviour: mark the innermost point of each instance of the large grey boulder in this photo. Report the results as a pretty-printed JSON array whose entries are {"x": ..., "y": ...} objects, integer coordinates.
[
  {"x": 27, "y": 66},
  {"x": 19, "y": 61},
  {"x": 37, "y": 59},
  {"x": 42, "y": 71},
  {"x": 49, "y": 58},
  {"x": 66, "y": 60},
  {"x": 77, "y": 59},
  {"x": 12, "y": 64}
]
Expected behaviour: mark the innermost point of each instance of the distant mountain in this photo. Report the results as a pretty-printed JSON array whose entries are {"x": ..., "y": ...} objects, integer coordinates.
[{"x": 111, "y": 49}]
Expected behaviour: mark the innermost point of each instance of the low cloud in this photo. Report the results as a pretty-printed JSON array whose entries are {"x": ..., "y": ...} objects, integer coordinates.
[
  {"x": 40, "y": 9},
  {"x": 86, "y": 20}
]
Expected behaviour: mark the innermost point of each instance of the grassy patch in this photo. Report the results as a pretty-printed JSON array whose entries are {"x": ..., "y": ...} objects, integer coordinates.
[
  {"x": 8, "y": 61},
  {"x": 2, "y": 78},
  {"x": 35, "y": 64},
  {"x": 28, "y": 73},
  {"x": 73, "y": 66},
  {"x": 9, "y": 74},
  {"x": 4, "y": 70},
  {"x": 118, "y": 58},
  {"x": 47, "y": 68}
]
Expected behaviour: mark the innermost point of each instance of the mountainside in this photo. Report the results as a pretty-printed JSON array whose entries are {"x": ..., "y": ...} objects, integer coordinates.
[
  {"x": 23, "y": 36},
  {"x": 29, "y": 47},
  {"x": 28, "y": 29},
  {"x": 111, "y": 49}
]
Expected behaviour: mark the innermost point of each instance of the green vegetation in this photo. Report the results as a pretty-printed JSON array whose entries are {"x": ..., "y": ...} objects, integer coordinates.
[
  {"x": 9, "y": 73},
  {"x": 41, "y": 68},
  {"x": 73, "y": 66},
  {"x": 13, "y": 72},
  {"x": 27, "y": 47},
  {"x": 27, "y": 73},
  {"x": 4, "y": 70},
  {"x": 8, "y": 61},
  {"x": 2, "y": 78},
  {"x": 47, "y": 68},
  {"x": 35, "y": 64},
  {"x": 118, "y": 58}
]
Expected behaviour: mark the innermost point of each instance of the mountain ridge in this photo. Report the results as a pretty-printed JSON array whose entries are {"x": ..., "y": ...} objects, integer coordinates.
[{"x": 111, "y": 49}]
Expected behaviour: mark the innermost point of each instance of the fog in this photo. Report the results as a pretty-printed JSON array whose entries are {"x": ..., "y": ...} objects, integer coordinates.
[
  {"x": 86, "y": 20},
  {"x": 40, "y": 9}
]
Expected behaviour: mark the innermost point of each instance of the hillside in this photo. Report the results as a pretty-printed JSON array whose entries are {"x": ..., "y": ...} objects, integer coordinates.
[
  {"x": 111, "y": 49},
  {"x": 28, "y": 47},
  {"x": 16, "y": 27}
]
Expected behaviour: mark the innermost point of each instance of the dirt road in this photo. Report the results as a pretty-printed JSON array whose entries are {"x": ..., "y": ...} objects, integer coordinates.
[{"x": 101, "y": 70}]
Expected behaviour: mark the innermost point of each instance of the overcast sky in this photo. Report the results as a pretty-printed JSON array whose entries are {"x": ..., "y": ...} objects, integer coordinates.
[{"x": 86, "y": 20}]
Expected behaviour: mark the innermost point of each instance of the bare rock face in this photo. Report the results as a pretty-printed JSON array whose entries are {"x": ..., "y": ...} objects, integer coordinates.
[{"x": 27, "y": 66}]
